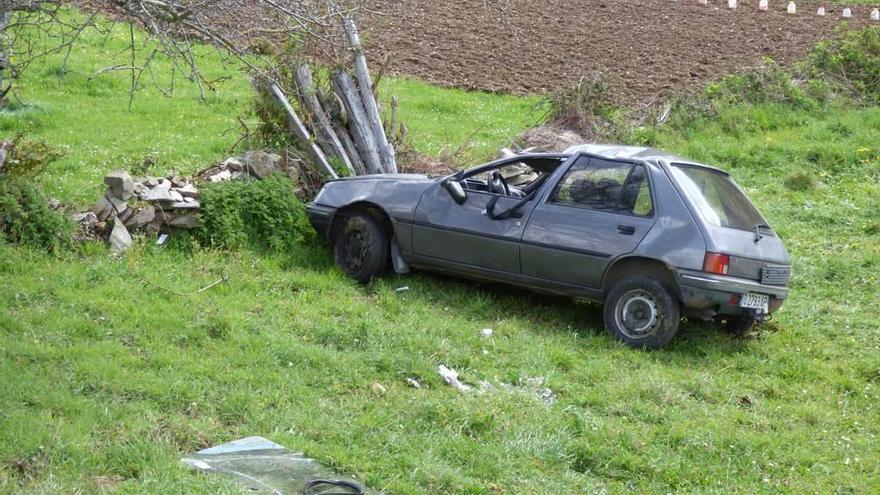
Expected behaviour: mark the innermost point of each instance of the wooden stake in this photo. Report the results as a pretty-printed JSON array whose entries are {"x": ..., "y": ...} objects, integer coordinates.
[
  {"x": 386, "y": 151},
  {"x": 358, "y": 121},
  {"x": 299, "y": 131},
  {"x": 306, "y": 91}
]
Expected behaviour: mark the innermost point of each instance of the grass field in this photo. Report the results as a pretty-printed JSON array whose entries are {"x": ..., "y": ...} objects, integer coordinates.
[{"x": 110, "y": 369}]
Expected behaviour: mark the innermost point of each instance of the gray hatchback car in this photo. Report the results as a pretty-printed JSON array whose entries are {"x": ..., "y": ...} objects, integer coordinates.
[{"x": 652, "y": 236}]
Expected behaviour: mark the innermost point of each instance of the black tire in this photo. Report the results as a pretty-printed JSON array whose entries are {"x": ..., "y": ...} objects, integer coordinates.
[
  {"x": 361, "y": 248},
  {"x": 653, "y": 311},
  {"x": 738, "y": 326}
]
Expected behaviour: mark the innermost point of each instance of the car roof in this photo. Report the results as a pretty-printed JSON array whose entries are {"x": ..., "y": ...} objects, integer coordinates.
[{"x": 620, "y": 151}]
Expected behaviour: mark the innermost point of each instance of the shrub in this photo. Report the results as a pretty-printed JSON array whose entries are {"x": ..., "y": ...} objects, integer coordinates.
[
  {"x": 25, "y": 215},
  {"x": 590, "y": 108},
  {"x": 26, "y": 218},
  {"x": 766, "y": 83},
  {"x": 264, "y": 215},
  {"x": 852, "y": 58}
]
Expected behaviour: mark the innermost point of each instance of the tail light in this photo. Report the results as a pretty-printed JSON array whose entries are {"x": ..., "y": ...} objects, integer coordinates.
[{"x": 716, "y": 263}]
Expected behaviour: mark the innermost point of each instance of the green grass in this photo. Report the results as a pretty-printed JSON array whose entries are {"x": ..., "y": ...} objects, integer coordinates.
[
  {"x": 456, "y": 122},
  {"x": 87, "y": 115},
  {"x": 112, "y": 368}
]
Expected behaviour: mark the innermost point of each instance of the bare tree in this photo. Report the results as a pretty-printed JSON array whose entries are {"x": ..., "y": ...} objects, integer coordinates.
[{"x": 30, "y": 29}]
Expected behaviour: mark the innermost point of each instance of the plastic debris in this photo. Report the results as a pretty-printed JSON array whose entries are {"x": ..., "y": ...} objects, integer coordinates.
[
  {"x": 731, "y": 4},
  {"x": 762, "y": 5},
  {"x": 264, "y": 467},
  {"x": 847, "y": 13},
  {"x": 820, "y": 11},
  {"x": 412, "y": 382},
  {"x": 450, "y": 376},
  {"x": 486, "y": 333},
  {"x": 792, "y": 8},
  {"x": 402, "y": 289},
  {"x": 875, "y": 15},
  {"x": 162, "y": 238}
]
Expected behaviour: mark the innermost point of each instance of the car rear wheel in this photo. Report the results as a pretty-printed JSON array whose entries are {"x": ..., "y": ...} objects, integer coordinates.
[
  {"x": 738, "y": 326},
  {"x": 641, "y": 313},
  {"x": 361, "y": 247}
]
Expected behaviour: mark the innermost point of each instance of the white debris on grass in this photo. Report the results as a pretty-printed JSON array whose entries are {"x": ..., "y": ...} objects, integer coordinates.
[
  {"x": 486, "y": 333},
  {"x": 450, "y": 376}
]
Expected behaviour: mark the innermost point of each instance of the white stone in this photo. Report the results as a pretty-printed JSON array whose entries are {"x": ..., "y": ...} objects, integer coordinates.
[
  {"x": 120, "y": 239},
  {"x": 821, "y": 11},
  {"x": 847, "y": 13},
  {"x": 875, "y": 15},
  {"x": 792, "y": 8},
  {"x": 762, "y": 5},
  {"x": 221, "y": 176}
]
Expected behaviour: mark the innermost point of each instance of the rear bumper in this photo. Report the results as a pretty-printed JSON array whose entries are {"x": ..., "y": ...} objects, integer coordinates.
[
  {"x": 710, "y": 295},
  {"x": 321, "y": 217}
]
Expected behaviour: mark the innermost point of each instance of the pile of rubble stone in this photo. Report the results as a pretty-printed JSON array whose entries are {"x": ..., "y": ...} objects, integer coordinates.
[{"x": 153, "y": 205}]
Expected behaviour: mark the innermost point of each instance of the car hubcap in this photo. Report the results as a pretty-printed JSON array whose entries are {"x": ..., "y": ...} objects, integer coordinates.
[
  {"x": 355, "y": 250},
  {"x": 637, "y": 314}
]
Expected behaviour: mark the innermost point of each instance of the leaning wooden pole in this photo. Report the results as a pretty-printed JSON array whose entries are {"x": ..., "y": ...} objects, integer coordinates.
[
  {"x": 386, "y": 151},
  {"x": 299, "y": 131},
  {"x": 309, "y": 99},
  {"x": 358, "y": 122}
]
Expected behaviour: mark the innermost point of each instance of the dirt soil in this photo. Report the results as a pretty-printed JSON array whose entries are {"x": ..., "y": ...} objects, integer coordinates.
[{"x": 651, "y": 47}]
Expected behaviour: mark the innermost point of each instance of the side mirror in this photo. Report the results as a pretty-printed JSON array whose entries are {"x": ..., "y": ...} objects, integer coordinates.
[{"x": 455, "y": 189}]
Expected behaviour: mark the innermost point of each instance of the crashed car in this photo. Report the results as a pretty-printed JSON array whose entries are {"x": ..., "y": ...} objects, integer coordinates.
[{"x": 652, "y": 236}]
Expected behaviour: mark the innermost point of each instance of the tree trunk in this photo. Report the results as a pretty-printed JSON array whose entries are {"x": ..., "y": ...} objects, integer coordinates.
[
  {"x": 324, "y": 129},
  {"x": 4, "y": 56},
  {"x": 299, "y": 131},
  {"x": 358, "y": 122},
  {"x": 386, "y": 151}
]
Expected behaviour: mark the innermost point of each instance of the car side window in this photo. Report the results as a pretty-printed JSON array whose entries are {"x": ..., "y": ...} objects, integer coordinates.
[{"x": 607, "y": 186}]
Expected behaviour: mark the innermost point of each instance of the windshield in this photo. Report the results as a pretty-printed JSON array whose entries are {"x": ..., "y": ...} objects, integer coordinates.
[{"x": 717, "y": 197}]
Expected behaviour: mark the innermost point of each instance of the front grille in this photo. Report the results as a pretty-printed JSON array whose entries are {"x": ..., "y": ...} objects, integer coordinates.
[{"x": 775, "y": 274}]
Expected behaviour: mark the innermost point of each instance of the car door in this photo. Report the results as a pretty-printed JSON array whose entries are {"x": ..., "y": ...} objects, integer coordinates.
[
  {"x": 599, "y": 210},
  {"x": 445, "y": 230}
]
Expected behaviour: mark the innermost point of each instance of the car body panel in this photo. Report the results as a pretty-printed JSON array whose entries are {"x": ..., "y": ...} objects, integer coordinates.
[{"x": 560, "y": 248}]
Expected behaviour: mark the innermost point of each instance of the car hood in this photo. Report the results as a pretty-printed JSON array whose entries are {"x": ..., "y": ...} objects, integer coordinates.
[{"x": 385, "y": 177}]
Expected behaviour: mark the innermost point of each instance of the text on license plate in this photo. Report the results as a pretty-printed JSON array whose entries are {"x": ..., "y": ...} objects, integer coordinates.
[{"x": 755, "y": 301}]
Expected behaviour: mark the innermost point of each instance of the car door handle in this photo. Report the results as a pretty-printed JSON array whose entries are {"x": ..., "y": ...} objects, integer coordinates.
[{"x": 626, "y": 229}]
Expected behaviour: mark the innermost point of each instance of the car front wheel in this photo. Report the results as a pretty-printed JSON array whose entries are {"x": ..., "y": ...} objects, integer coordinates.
[
  {"x": 641, "y": 313},
  {"x": 361, "y": 247}
]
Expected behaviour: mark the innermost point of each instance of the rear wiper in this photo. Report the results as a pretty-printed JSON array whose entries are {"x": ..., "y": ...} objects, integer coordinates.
[{"x": 758, "y": 234}]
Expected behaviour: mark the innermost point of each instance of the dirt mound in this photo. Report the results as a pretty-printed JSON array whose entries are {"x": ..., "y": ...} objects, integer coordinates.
[{"x": 652, "y": 47}]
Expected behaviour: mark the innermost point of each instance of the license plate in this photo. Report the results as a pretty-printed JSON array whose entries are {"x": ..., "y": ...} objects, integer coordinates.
[{"x": 755, "y": 301}]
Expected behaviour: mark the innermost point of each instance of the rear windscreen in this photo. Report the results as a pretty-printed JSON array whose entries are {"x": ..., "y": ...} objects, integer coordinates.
[{"x": 717, "y": 197}]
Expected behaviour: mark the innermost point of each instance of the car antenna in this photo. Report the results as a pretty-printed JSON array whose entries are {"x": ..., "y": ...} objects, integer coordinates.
[{"x": 758, "y": 234}]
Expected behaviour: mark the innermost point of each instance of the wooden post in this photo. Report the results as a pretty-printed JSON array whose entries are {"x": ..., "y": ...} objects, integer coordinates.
[
  {"x": 386, "y": 151},
  {"x": 306, "y": 91},
  {"x": 4, "y": 57},
  {"x": 348, "y": 144},
  {"x": 299, "y": 131},
  {"x": 358, "y": 122}
]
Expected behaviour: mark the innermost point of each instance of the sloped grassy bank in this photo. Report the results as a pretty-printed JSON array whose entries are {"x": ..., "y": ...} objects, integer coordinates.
[{"x": 111, "y": 368}]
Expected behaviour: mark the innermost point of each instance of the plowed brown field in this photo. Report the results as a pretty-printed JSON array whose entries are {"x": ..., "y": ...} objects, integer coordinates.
[{"x": 652, "y": 47}]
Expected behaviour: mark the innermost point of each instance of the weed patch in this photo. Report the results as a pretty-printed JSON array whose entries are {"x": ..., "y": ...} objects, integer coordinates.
[{"x": 265, "y": 215}]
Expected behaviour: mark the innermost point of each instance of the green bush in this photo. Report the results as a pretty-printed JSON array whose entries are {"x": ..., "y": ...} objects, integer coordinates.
[
  {"x": 25, "y": 215},
  {"x": 26, "y": 218},
  {"x": 265, "y": 215},
  {"x": 852, "y": 58}
]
